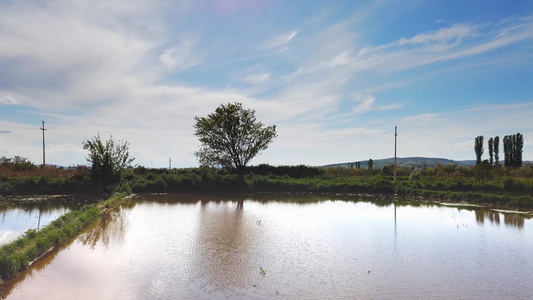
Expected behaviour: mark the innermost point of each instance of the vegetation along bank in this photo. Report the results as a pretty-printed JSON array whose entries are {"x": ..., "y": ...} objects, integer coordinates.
[
  {"x": 498, "y": 187},
  {"x": 19, "y": 254}
]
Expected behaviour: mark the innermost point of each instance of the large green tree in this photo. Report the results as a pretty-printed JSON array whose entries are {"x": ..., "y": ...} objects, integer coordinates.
[
  {"x": 107, "y": 159},
  {"x": 497, "y": 151},
  {"x": 231, "y": 136},
  {"x": 512, "y": 148},
  {"x": 370, "y": 165},
  {"x": 478, "y": 148},
  {"x": 518, "y": 146},
  {"x": 507, "y": 153},
  {"x": 491, "y": 151}
]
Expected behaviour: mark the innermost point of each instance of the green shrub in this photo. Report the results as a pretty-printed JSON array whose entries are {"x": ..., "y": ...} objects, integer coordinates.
[
  {"x": 31, "y": 233},
  {"x": 415, "y": 176},
  {"x": 508, "y": 183},
  {"x": 123, "y": 187}
]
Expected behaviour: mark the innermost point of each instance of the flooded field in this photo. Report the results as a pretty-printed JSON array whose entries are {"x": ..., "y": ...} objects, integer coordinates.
[
  {"x": 17, "y": 215},
  {"x": 183, "y": 247}
]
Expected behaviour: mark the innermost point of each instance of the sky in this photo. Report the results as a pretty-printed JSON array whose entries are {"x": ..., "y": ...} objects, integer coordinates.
[{"x": 335, "y": 77}]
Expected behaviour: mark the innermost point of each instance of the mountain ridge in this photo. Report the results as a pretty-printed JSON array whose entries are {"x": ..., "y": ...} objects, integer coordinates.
[{"x": 414, "y": 161}]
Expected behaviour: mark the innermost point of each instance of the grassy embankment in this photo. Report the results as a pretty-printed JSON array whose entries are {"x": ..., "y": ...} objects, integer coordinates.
[{"x": 18, "y": 255}]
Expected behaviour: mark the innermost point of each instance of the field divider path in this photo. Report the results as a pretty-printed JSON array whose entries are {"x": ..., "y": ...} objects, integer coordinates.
[{"x": 34, "y": 244}]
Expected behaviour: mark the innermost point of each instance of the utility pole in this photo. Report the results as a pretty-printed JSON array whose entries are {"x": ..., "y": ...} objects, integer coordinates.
[
  {"x": 395, "y": 137},
  {"x": 170, "y": 163},
  {"x": 44, "y": 160}
]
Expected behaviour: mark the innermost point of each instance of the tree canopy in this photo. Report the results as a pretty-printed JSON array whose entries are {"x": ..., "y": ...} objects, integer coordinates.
[
  {"x": 491, "y": 151},
  {"x": 107, "y": 160},
  {"x": 497, "y": 151},
  {"x": 478, "y": 148},
  {"x": 512, "y": 148},
  {"x": 230, "y": 137}
]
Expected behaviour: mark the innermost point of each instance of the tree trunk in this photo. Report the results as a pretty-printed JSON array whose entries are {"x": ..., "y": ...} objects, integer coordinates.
[{"x": 240, "y": 175}]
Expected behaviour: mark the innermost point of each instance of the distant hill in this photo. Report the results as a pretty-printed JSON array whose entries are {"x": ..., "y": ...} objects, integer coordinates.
[{"x": 417, "y": 162}]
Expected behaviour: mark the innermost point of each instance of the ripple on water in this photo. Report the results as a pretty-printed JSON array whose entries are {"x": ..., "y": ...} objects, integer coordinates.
[{"x": 339, "y": 250}]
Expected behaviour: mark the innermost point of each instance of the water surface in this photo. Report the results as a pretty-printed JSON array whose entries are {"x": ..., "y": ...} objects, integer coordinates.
[
  {"x": 18, "y": 214},
  {"x": 178, "y": 247}
]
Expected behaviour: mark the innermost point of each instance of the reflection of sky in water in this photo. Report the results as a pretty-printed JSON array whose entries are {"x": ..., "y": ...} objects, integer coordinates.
[
  {"x": 15, "y": 221},
  {"x": 325, "y": 250}
]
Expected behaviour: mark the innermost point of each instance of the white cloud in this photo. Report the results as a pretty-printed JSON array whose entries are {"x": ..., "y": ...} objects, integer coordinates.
[
  {"x": 442, "y": 36},
  {"x": 446, "y": 44},
  {"x": 424, "y": 117},
  {"x": 9, "y": 100},
  {"x": 181, "y": 57},
  {"x": 280, "y": 41},
  {"x": 67, "y": 148},
  {"x": 366, "y": 103},
  {"x": 465, "y": 145},
  {"x": 498, "y": 107},
  {"x": 417, "y": 143},
  {"x": 257, "y": 78},
  {"x": 58, "y": 59},
  {"x": 109, "y": 66}
]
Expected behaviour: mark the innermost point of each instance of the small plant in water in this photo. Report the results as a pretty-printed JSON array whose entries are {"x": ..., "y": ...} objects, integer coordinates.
[
  {"x": 262, "y": 271},
  {"x": 258, "y": 222}
]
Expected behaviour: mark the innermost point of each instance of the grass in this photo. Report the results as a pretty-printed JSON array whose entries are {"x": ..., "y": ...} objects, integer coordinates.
[
  {"x": 501, "y": 187},
  {"x": 506, "y": 187},
  {"x": 46, "y": 185}
]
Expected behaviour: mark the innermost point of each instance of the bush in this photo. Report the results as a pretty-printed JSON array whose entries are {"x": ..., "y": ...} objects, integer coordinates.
[
  {"x": 508, "y": 183},
  {"x": 415, "y": 176},
  {"x": 122, "y": 187},
  {"x": 300, "y": 171},
  {"x": 107, "y": 159},
  {"x": 482, "y": 171}
]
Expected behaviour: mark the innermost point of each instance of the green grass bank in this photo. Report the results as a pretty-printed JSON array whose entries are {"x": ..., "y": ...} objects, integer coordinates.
[
  {"x": 506, "y": 187},
  {"x": 19, "y": 254}
]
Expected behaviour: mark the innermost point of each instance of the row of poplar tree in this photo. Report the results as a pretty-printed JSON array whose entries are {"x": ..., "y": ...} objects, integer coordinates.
[{"x": 512, "y": 150}]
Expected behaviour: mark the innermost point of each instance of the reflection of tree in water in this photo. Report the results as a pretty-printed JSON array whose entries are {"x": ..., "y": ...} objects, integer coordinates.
[
  {"x": 225, "y": 245},
  {"x": 492, "y": 216},
  {"x": 110, "y": 228},
  {"x": 514, "y": 220},
  {"x": 510, "y": 219},
  {"x": 46, "y": 203}
]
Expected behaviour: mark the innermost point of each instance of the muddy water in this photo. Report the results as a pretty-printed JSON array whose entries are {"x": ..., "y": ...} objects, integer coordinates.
[{"x": 176, "y": 247}]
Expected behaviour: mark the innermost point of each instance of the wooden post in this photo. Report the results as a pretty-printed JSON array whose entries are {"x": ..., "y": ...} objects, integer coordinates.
[{"x": 44, "y": 158}]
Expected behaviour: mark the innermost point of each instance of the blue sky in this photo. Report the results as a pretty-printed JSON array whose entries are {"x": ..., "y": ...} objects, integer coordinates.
[{"x": 334, "y": 76}]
